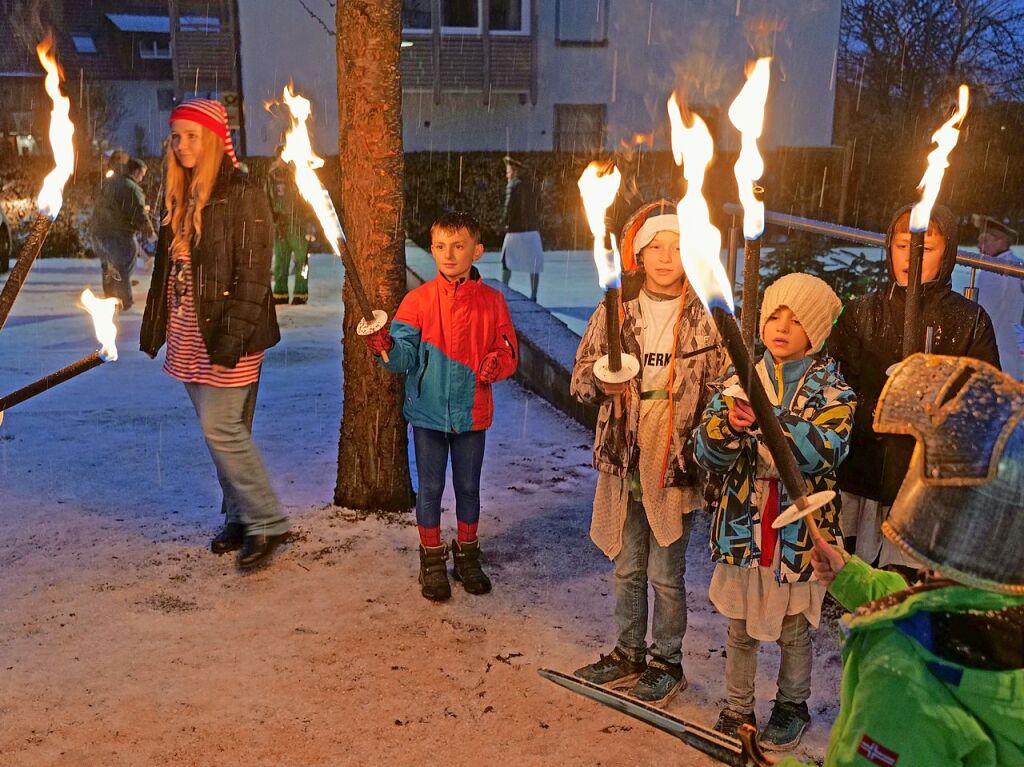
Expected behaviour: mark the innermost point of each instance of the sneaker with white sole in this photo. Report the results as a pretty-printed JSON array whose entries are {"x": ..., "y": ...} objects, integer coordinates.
[{"x": 660, "y": 683}]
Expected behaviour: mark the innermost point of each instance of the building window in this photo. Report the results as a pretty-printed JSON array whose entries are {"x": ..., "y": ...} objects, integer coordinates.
[
  {"x": 460, "y": 14},
  {"x": 507, "y": 15},
  {"x": 165, "y": 99},
  {"x": 463, "y": 16},
  {"x": 154, "y": 49},
  {"x": 581, "y": 22},
  {"x": 579, "y": 128},
  {"x": 416, "y": 14},
  {"x": 84, "y": 43}
]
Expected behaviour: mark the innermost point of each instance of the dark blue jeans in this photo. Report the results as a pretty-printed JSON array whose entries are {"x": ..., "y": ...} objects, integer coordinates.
[
  {"x": 117, "y": 258},
  {"x": 432, "y": 449}
]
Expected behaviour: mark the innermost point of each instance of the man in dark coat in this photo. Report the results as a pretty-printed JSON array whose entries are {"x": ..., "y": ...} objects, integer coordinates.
[
  {"x": 120, "y": 214},
  {"x": 868, "y": 340}
]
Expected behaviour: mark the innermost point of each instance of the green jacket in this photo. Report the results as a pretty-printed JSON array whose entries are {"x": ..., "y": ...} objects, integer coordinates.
[{"x": 901, "y": 705}]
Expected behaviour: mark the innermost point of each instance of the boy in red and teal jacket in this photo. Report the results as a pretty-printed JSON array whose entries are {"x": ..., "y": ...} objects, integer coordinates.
[{"x": 453, "y": 338}]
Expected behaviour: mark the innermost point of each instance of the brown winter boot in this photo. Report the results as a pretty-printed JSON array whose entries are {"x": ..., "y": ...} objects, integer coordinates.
[
  {"x": 434, "y": 583},
  {"x": 467, "y": 567}
]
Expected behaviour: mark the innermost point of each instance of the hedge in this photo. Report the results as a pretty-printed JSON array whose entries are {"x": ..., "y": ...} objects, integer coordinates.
[{"x": 474, "y": 181}]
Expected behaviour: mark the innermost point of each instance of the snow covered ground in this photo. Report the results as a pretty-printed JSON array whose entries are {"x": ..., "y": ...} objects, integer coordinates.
[{"x": 124, "y": 641}]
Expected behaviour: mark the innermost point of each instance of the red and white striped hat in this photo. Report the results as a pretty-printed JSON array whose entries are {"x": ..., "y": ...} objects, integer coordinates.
[{"x": 210, "y": 114}]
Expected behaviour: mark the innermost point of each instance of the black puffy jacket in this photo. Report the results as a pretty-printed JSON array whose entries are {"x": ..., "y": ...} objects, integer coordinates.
[
  {"x": 868, "y": 338},
  {"x": 522, "y": 204},
  {"x": 230, "y": 271}
]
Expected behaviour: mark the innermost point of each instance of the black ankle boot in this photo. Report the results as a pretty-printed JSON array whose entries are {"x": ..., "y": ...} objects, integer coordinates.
[
  {"x": 258, "y": 550},
  {"x": 230, "y": 538},
  {"x": 434, "y": 573},
  {"x": 467, "y": 567}
]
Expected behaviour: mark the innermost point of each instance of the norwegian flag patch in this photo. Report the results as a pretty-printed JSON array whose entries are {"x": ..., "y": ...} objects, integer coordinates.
[{"x": 876, "y": 753}]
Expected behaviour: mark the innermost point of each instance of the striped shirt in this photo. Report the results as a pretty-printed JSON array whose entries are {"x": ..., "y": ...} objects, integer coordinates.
[{"x": 187, "y": 358}]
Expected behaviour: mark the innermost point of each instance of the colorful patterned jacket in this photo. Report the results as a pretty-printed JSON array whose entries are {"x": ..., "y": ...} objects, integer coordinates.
[
  {"x": 817, "y": 423},
  {"x": 697, "y": 359},
  {"x": 442, "y": 332}
]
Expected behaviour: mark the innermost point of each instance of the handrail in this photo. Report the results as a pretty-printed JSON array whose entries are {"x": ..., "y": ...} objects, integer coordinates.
[{"x": 965, "y": 257}]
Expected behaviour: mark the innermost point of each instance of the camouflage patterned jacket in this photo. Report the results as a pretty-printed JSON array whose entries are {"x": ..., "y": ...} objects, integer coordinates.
[
  {"x": 817, "y": 421},
  {"x": 697, "y": 360}
]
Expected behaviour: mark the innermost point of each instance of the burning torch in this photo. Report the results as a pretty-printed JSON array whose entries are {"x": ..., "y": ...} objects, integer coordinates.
[
  {"x": 747, "y": 114},
  {"x": 945, "y": 139},
  {"x": 102, "y": 311},
  {"x": 598, "y": 187},
  {"x": 298, "y": 150},
  {"x": 51, "y": 196},
  {"x": 700, "y": 245}
]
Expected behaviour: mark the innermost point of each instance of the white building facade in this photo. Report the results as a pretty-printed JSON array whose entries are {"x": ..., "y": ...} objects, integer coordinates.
[{"x": 570, "y": 75}]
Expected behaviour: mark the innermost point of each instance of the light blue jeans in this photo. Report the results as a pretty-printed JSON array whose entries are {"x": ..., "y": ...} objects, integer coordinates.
[
  {"x": 640, "y": 560},
  {"x": 741, "y": 664},
  {"x": 249, "y": 497}
]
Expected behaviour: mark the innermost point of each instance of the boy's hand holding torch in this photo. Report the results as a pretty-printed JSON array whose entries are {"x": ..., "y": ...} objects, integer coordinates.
[
  {"x": 826, "y": 560},
  {"x": 380, "y": 342}
]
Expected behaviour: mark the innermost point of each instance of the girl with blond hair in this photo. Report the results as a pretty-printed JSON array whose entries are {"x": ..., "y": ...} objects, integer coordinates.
[{"x": 210, "y": 302}]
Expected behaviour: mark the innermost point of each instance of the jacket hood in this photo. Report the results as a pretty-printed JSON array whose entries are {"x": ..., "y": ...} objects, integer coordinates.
[
  {"x": 994, "y": 697},
  {"x": 946, "y": 220}
]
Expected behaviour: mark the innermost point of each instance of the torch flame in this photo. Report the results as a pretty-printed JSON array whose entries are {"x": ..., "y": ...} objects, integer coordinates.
[
  {"x": 747, "y": 115},
  {"x": 51, "y": 196},
  {"x": 700, "y": 243},
  {"x": 102, "y": 312},
  {"x": 298, "y": 150},
  {"x": 598, "y": 188},
  {"x": 945, "y": 139}
]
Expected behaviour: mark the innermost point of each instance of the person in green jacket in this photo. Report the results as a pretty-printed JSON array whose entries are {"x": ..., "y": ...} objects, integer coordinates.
[
  {"x": 934, "y": 675},
  {"x": 293, "y": 232}
]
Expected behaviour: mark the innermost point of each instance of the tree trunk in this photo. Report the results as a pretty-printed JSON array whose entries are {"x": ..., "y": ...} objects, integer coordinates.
[{"x": 373, "y": 465}]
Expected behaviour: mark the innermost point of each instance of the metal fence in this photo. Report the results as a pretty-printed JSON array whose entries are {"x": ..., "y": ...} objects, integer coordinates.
[{"x": 974, "y": 261}]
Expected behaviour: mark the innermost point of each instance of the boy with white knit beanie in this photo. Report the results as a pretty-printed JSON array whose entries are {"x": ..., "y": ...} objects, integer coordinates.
[{"x": 763, "y": 580}]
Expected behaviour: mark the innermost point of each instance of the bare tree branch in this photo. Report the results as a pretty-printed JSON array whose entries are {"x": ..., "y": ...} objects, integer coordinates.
[{"x": 319, "y": 20}]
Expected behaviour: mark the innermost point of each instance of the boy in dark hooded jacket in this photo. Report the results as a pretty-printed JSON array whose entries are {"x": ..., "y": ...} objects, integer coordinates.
[{"x": 868, "y": 339}]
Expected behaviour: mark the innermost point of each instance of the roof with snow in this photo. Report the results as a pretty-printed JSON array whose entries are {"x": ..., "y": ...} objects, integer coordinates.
[{"x": 127, "y": 22}]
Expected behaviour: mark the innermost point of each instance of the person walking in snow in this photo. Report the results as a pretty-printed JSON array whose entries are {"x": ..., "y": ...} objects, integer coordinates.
[
  {"x": 763, "y": 580},
  {"x": 121, "y": 213},
  {"x": 210, "y": 302},
  {"x": 934, "y": 674},
  {"x": 453, "y": 339},
  {"x": 647, "y": 481},
  {"x": 522, "y": 250},
  {"x": 867, "y": 341},
  {"x": 293, "y": 231}
]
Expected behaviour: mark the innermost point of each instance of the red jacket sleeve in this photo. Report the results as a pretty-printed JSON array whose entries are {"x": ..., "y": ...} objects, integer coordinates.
[{"x": 505, "y": 342}]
